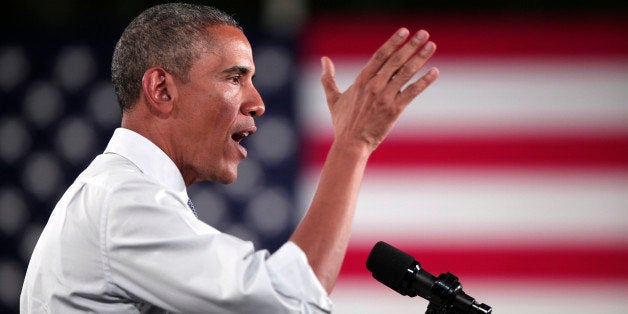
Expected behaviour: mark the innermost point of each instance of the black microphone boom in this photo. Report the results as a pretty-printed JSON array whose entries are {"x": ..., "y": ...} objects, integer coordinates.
[{"x": 402, "y": 273}]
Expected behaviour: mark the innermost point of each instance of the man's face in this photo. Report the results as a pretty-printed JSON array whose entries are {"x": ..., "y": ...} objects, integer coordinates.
[{"x": 216, "y": 109}]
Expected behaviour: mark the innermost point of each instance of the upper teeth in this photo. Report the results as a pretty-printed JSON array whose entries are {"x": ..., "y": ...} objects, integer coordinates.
[{"x": 245, "y": 134}]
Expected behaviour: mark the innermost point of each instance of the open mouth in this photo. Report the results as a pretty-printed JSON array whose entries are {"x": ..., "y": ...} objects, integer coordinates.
[{"x": 239, "y": 136}]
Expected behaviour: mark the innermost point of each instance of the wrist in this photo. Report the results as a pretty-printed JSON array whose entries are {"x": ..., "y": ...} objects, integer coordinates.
[{"x": 351, "y": 149}]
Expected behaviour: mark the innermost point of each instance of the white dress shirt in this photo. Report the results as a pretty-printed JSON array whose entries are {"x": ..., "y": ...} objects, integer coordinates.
[{"x": 122, "y": 239}]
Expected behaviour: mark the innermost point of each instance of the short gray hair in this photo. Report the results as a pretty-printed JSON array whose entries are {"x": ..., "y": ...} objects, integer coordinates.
[{"x": 167, "y": 35}]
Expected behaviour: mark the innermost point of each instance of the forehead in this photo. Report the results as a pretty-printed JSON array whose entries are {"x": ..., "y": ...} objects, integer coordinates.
[
  {"x": 224, "y": 34},
  {"x": 228, "y": 44}
]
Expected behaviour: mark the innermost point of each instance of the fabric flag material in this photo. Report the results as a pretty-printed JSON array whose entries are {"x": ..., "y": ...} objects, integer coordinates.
[{"x": 511, "y": 171}]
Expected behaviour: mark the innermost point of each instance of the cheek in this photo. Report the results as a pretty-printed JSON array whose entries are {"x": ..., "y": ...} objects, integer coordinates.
[
  {"x": 218, "y": 126},
  {"x": 221, "y": 122},
  {"x": 226, "y": 110},
  {"x": 214, "y": 114}
]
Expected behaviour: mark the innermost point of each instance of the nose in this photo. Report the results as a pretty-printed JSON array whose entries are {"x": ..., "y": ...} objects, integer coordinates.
[{"x": 254, "y": 105}]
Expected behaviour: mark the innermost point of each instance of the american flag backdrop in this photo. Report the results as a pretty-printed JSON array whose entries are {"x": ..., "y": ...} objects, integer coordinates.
[{"x": 511, "y": 171}]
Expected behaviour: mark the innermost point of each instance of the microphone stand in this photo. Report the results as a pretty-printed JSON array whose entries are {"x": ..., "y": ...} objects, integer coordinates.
[{"x": 447, "y": 297}]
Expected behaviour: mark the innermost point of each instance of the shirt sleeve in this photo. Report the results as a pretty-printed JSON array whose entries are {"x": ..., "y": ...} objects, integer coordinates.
[
  {"x": 293, "y": 277},
  {"x": 156, "y": 252}
]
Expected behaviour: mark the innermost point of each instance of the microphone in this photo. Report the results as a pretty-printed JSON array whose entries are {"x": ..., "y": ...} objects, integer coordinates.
[{"x": 402, "y": 273}]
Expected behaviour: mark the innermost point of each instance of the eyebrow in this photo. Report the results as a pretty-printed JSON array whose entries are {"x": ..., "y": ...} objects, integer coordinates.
[{"x": 238, "y": 69}]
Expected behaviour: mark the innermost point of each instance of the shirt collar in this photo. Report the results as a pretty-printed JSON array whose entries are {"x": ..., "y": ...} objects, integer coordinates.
[{"x": 148, "y": 157}]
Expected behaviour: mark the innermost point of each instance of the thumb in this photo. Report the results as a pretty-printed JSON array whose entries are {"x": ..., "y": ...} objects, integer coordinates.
[{"x": 329, "y": 82}]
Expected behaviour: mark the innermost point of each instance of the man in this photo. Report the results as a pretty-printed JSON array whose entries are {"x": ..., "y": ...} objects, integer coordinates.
[{"x": 124, "y": 237}]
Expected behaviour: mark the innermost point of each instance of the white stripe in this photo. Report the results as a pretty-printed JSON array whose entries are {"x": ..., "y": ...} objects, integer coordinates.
[
  {"x": 514, "y": 207},
  {"x": 366, "y": 296},
  {"x": 522, "y": 96}
]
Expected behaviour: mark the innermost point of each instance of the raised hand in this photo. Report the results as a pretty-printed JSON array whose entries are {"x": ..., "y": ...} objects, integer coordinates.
[{"x": 365, "y": 113}]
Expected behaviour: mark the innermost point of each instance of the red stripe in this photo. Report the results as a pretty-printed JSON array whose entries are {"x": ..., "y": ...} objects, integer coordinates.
[
  {"x": 523, "y": 263},
  {"x": 494, "y": 35},
  {"x": 598, "y": 152}
]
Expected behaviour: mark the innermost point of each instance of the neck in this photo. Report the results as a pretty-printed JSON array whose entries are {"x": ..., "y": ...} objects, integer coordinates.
[{"x": 158, "y": 132}]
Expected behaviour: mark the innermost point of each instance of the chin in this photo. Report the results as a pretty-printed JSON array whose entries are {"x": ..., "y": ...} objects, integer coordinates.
[
  {"x": 227, "y": 178},
  {"x": 225, "y": 173},
  {"x": 227, "y": 181}
]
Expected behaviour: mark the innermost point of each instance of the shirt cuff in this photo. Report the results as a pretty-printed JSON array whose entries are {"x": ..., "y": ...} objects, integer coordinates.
[{"x": 293, "y": 277}]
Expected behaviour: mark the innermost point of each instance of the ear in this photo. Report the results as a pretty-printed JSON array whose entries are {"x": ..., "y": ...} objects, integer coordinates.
[{"x": 159, "y": 88}]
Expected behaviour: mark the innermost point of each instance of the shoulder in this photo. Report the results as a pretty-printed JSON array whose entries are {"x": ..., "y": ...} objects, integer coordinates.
[
  {"x": 112, "y": 182},
  {"x": 112, "y": 173},
  {"x": 124, "y": 188}
]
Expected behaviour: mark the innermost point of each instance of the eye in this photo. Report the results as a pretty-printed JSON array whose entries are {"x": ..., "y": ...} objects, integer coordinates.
[{"x": 235, "y": 79}]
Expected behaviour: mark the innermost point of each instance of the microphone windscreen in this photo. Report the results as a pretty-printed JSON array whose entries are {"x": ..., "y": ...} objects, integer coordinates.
[{"x": 389, "y": 265}]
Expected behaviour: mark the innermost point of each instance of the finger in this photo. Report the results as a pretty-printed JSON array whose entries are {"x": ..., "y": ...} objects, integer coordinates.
[
  {"x": 329, "y": 82},
  {"x": 416, "y": 88},
  {"x": 381, "y": 55},
  {"x": 410, "y": 68},
  {"x": 400, "y": 57}
]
